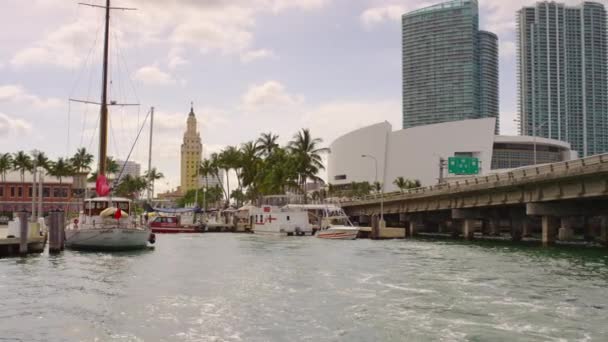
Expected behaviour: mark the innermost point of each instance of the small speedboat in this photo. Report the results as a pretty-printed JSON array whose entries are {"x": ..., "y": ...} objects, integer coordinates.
[{"x": 338, "y": 233}]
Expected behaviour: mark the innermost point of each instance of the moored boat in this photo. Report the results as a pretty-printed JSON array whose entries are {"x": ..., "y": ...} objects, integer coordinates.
[
  {"x": 106, "y": 224},
  {"x": 328, "y": 221},
  {"x": 273, "y": 220},
  {"x": 167, "y": 224}
]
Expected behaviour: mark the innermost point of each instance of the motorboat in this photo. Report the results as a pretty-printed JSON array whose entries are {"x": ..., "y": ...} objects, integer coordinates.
[
  {"x": 273, "y": 220},
  {"x": 329, "y": 221}
]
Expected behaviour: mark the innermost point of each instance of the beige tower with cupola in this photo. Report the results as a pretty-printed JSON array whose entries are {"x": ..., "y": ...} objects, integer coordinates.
[{"x": 192, "y": 151}]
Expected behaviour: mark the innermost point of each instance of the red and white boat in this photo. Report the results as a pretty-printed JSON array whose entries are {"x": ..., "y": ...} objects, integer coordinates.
[{"x": 167, "y": 224}]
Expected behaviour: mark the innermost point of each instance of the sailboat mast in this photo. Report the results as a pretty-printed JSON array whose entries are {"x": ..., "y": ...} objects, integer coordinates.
[{"x": 103, "y": 118}]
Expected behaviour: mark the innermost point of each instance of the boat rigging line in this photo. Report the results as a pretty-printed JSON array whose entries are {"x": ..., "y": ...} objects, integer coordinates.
[{"x": 134, "y": 143}]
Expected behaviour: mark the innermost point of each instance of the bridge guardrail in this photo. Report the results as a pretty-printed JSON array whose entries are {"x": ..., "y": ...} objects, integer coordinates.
[{"x": 519, "y": 174}]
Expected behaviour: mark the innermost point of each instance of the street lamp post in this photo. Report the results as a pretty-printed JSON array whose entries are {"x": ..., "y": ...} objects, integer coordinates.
[{"x": 381, "y": 185}]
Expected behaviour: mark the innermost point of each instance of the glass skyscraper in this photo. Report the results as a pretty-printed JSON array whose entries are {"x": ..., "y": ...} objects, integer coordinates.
[
  {"x": 450, "y": 68},
  {"x": 563, "y": 84}
]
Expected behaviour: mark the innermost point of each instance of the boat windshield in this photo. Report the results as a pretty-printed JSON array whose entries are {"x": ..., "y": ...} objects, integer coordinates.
[{"x": 94, "y": 208}]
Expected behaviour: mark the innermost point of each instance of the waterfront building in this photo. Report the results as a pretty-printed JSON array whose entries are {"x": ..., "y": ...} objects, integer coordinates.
[
  {"x": 563, "y": 81},
  {"x": 128, "y": 168},
  {"x": 415, "y": 153},
  {"x": 191, "y": 152},
  {"x": 450, "y": 68},
  {"x": 16, "y": 195}
]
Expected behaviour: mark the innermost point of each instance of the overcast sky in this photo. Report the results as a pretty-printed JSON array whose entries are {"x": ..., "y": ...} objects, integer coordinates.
[{"x": 249, "y": 66}]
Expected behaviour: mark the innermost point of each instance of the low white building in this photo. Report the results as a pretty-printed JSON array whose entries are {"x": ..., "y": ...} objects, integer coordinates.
[{"x": 415, "y": 153}]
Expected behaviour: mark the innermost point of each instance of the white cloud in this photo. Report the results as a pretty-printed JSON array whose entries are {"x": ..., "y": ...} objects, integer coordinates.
[
  {"x": 17, "y": 94},
  {"x": 152, "y": 75},
  {"x": 65, "y": 47},
  {"x": 252, "y": 55},
  {"x": 332, "y": 119},
  {"x": 376, "y": 15},
  {"x": 10, "y": 126},
  {"x": 270, "y": 96}
]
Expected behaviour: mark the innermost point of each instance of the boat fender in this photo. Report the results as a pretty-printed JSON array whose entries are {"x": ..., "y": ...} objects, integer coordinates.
[{"x": 152, "y": 238}]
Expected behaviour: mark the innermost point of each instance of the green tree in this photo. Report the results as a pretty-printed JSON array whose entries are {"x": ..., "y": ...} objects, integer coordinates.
[
  {"x": 131, "y": 187},
  {"x": 238, "y": 196},
  {"x": 6, "y": 164},
  {"x": 308, "y": 155},
  {"x": 61, "y": 168},
  {"x": 266, "y": 144},
  {"x": 206, "y": 170},
  {"x": 22, "y": 162},
  {"x": 213, "y": 195},
  {"x": 216, "y": 165},
  {"x": 152, "y": 176},
  {"x": 377, "y": 186},
  {"x": 41, "y": 160},
  {"x": 82, "y": 160},
  {"x": 401, "y": 183}
]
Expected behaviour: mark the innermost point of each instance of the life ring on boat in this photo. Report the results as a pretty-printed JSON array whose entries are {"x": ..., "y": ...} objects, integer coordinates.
[{"x": 152, "y": 238}]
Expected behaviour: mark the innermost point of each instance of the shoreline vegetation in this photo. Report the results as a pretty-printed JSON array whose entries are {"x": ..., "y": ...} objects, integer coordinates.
[{"x": 262, "y": 168}]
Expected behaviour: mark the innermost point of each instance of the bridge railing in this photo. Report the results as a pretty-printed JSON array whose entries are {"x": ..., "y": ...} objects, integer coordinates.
[{"x": 513, "y": 175}]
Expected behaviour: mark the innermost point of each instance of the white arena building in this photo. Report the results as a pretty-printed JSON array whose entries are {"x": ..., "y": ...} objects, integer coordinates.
[{"x": 414, "y": 153}]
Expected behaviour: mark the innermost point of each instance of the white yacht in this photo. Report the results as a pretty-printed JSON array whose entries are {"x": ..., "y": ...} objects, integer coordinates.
[
  {"x": 106, "y": 223},
  {"x": 273, "y": 220},
  {"x": 329, "y": 221}
]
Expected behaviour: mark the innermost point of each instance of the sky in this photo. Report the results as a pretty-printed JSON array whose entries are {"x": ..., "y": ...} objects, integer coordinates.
[{"x": 248, "y": 66}]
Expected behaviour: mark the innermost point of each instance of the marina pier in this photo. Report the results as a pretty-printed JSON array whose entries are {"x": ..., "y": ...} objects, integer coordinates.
[{"x": 553, "y": 202}]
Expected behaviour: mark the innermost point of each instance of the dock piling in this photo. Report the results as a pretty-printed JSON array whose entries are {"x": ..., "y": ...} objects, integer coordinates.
[
  {"x": 61, "y": 229},
  {"x": 23, "y": 232},
  {"x": 54, "y": 235}
]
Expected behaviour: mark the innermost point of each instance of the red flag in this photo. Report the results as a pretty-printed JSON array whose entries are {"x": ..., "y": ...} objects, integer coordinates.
[
  {"x": 101, "y": 186},
  {"x": 118, "y": 213}
]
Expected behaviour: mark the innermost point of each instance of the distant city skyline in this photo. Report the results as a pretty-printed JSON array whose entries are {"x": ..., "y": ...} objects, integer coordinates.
[
  {"x": 450, "y": 67},
  {"x": 249, "y": 66},
  {"x": 563, "y": 77}
]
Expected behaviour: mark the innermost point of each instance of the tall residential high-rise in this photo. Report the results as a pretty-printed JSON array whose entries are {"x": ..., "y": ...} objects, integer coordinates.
[
  {"x": 128, "y": 168},
  {"x": 192, "y": 150},
  {"x": 450, "y": 68},
  {"x": 563, "y": 81}
]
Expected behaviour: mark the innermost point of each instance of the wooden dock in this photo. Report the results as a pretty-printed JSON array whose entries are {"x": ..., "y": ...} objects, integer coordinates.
[{"x": 9, "y": 246}]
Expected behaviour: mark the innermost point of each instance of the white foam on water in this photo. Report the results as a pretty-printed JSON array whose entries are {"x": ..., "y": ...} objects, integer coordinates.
[{"x": 403, "y": 288}]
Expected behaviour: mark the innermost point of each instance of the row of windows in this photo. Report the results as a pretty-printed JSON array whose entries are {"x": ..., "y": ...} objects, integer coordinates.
[{"x": 17, "y": 192}]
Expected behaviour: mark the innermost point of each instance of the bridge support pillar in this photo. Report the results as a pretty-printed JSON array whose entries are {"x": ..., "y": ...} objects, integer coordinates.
[
  {"x": 526, "y": 227},
  {"x": 517, "y": 224},
  {"x": 494, "y": 226},
  {"x": 412, "y": 231},
  {"x": 456, "y": 228},
  {"x": 550, "y": 224},
  {"x": 441, "y": 227},
  {"x": 604, "y": 230},
  {"x": 468, "y": 229},
  {"x": 565, "y": 232}
]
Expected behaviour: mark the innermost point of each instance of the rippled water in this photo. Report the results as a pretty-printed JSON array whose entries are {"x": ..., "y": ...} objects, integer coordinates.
[{"x": 226, "y": 287}]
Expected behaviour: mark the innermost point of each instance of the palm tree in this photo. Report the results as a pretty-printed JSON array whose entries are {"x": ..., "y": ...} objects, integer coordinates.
[
  {"x": 249, "y": 163},
  {"x": 377, "y": 187},
  {"x": 308, "y": 154},
  {"x": 227, "y": 160},
  {"x": 131, "y": 187},
  {"x": 82, "y": 160},
  {"x": 401, "y": 183},
  {"x": 151, "y": 176},
  {"x": 61, "y": 168},
  {"x": 22, "y": 162},
  {"x": 267, "y": 143},
  {"x": 112, "y": 166},
  {"x": 205, "y": 170},
  {"x": 41, "y": 160},
  {"x": 216, "y": 165},
  {"x": 6, "y": 164}
]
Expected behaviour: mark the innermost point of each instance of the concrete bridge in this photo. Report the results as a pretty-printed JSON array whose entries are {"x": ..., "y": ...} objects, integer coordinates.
[{"x": 558, "y": 201}]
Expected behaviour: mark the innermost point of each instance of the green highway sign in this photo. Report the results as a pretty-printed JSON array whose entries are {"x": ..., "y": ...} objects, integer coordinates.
[{"x": 463, "y": 165}]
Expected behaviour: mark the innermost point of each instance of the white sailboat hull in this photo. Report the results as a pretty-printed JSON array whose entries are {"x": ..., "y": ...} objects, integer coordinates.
[
  {"x": 107, "y": 238},
  {"x": 339, "y": 233}
]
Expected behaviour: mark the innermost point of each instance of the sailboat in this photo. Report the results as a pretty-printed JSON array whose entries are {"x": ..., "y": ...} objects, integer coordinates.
[{"x": 106, "y": 223}]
